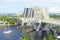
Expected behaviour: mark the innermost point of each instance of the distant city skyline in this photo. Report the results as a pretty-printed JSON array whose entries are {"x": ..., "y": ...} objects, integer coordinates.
[{"x": 14, "y": 6}]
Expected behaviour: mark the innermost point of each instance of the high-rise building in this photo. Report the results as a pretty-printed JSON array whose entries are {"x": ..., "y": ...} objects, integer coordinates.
[
  {"x": 28, "y": 13},
  {"x": 45, "y": 14},
  {"x": 37, "y": 13}
]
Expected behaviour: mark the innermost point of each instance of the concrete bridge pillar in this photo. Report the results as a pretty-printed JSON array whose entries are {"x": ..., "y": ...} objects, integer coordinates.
[
  {"x": 22, "y": 23},
  {"x": 37, "y": 26}
]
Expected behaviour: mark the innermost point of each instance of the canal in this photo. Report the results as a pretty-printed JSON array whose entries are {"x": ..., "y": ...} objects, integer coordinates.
[
  {"x": 14, "y": 35},
  {"x": 34, "y": 35}
]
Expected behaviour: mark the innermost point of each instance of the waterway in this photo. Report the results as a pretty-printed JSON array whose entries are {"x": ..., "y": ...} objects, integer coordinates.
[
  {"x": 34, "y": 35},
  {"x": 14, "y": 35}
]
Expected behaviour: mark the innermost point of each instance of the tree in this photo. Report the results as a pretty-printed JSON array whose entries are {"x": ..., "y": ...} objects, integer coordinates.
[
  {"x": 23, "y": 37},
  {"x": 51, "y": 36}
]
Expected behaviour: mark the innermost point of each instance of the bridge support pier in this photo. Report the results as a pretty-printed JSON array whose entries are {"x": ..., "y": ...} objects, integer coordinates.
[
  {"x": 22, "y": 23},
  {"x": 37, "y": 26}
]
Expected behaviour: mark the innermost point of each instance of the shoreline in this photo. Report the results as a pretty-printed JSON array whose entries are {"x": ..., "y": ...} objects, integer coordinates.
[{"x": 1, "y": 26}]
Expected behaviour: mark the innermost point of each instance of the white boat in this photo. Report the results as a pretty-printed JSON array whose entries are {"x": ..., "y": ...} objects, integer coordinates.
[
  {"x": 58, "y": 36},
  {"x": 7, "y": 32}
]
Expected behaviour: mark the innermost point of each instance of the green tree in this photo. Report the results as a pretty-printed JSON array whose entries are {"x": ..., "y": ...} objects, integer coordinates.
[
  {"x": 51, "y": 36},
  {"x": 9, "y": 20},
  {"x": 23, "y": 37}
]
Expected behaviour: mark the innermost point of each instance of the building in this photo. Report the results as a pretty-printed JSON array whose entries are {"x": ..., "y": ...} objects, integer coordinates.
[{"x": 39, "y": 16}]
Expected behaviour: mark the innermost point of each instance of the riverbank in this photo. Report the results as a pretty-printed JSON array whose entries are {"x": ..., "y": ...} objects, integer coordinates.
[
  {"x": 25, "y": 29},
  {"x": 6, "y": 25}
]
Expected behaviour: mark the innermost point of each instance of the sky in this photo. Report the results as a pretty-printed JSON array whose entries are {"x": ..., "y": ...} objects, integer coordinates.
[{"x": 14, "y": 6}]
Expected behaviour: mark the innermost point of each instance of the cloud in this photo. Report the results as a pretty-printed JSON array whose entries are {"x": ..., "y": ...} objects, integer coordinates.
[
  {"x": 14, "y": 1},
  {"x": 11, "y": 1},
  {"x": 53, "y": 5},
  {"x": 58, "y": 0},
  {"x": 54, "y": 9}
]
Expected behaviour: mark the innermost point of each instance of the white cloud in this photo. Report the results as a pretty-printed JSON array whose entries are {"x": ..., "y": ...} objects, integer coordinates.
[
  {"x": 11, "y": 1},
  {"x": 53, "y": 4},
  {"x": 54, "y": 9},
  {"x": 14, "y": 1},
  {"x": 58, "y": 0}
]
